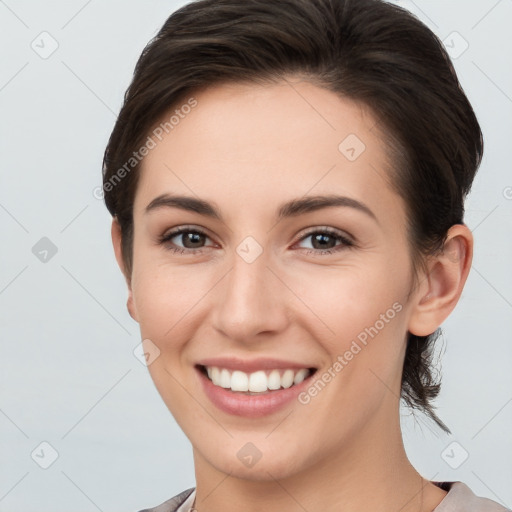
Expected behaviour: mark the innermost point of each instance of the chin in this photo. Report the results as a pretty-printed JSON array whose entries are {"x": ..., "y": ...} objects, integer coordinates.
[{"x": 251, "y": 463}]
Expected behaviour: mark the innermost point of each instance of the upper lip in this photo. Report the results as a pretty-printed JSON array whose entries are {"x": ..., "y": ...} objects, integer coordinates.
[{"x": 252, "y": 365}]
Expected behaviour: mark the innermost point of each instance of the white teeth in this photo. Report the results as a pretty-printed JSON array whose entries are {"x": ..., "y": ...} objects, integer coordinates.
[
  {"x": 274, "y": 380},
  {"x": 256, "y": 382},
  {"x": 287, "y": 379},
  {"x": 239, "y": 381},
  {"x": 300, "y": 376},
  {"x": 225, "y": 379}
]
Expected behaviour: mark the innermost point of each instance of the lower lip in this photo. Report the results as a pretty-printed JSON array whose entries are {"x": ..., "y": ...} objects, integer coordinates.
[{"x": 250, "y": 406}]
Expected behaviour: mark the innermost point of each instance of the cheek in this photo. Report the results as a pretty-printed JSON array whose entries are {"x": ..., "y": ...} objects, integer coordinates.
[
  {"x": 362, "y": 314},
  {"x": 166, "y": 296},
  {"x": 166, "y": 300},
  {"x": 347, "y": 301}
]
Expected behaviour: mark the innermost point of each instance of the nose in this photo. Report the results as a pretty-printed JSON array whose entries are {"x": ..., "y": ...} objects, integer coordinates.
[{"x": 251, "y": 301}]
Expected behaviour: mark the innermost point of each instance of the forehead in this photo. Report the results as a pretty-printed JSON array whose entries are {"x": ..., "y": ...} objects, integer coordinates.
[{"x": 252, "y": 143}]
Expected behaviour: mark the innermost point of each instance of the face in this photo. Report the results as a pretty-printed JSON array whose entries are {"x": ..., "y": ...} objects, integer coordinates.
[{"x": 271, "y": 274}]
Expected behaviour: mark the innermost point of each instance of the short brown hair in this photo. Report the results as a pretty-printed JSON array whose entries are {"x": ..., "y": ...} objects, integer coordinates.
[{"x": 365, "y": 50}]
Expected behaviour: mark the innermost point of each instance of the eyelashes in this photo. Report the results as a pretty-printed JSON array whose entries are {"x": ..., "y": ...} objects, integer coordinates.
[
  {"x": 166, "y": 239},
  {"x": 322, "y": 236},
  {"x": 319, "y": 235}
]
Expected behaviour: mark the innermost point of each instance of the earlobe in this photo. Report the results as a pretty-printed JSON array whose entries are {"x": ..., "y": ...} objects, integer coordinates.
[
  {"x": 130, "y": 305},
  {"x": 442, "y": 286},
  {"x": 118, "y": 251}
]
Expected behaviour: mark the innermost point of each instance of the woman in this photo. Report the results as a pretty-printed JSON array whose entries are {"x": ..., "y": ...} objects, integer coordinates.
[{"x": 287, "y": 183}]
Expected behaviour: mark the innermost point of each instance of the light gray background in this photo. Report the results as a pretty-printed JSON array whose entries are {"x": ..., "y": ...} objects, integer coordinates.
[{"x": 68, "y": 373}]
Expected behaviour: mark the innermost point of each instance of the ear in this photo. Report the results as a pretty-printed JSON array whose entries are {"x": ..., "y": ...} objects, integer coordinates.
[
  {"x": 118, "y": 250},
  {"x": 440, "y": 289}
]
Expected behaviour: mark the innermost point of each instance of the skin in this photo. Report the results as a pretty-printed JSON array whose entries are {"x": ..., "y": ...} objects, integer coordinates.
[{"x": 248, "y": 149}]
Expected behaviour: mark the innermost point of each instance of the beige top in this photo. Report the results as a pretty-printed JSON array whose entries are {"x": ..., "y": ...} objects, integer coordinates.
[{"x": 460, "y": 498}]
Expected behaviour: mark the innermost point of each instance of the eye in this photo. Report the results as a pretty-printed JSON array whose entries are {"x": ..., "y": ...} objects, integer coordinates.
[
  {"x": 326, "y": 241},
  {"x": 191, "y": 239}
]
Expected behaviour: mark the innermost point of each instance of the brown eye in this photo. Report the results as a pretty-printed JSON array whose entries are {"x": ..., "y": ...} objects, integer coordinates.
[
  {"x": 325, "y": 241},
  {"x": 185, "y": 239},
  {"x": 192, "y": 239}
]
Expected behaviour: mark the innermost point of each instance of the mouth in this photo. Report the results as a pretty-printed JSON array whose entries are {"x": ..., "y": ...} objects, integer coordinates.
[
  {"x": 253, "y": 388},
  {"x": 256, "y": 383}
]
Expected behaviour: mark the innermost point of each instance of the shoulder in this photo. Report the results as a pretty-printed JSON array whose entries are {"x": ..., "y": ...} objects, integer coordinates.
[
  {"x": 172, "y": 504},
  {"x": 460, "y": 498}
]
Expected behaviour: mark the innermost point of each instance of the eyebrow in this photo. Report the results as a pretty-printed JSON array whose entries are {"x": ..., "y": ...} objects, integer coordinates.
[{"x": 289, "y": 209}]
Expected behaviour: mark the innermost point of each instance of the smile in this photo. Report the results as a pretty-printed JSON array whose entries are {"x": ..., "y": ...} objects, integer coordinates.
[
  {"x": 261, "y": 381},
  {"x": 255, "y": 388}
]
